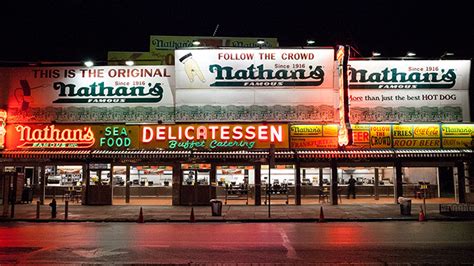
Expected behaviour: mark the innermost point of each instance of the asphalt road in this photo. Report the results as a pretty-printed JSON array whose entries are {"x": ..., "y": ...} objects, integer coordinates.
[{"x": 369, "y": 242}]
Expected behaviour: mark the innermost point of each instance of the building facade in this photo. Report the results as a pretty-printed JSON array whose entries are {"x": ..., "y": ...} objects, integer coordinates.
[{"x": 241, "y": 125}]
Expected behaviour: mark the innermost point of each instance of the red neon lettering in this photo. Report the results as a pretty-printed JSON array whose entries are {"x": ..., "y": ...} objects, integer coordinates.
[
  {"x": 276, "y": 134},
  {"x": 237, "y": 133},
  {"x": 186, "y": 133},
  {"x": 263, "y": 132},
  {"x": 147, "y": 134},
  {"x": 250, "y": 133},
  {"x": 83, "y": 138},
  {"x": 170, "y": 133},
  {"x": 201, "y": 132},
  {"x": 160, "y": 133},
  {"x": 213, "y": 131},
  {"x": 225, "y": 132}
]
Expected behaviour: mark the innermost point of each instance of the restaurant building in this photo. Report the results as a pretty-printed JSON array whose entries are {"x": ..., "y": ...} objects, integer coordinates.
[{"x": 228, "y": 122}]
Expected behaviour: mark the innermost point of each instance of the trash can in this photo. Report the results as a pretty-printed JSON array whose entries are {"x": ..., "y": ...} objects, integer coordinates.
[
  {"x": 216, "y": 207},
  {"x": 405, "y": 206}
]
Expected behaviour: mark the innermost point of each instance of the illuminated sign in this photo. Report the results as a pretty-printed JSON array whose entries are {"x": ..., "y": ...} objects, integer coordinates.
[
  {"x": 108, "y": 85},
  {"x": 51, "y": 136},
  {"x": 214, "y": 136},
  {"x": 115, "y": 136},
  {"x": 342, "y": 56},
  {"x": 416, "y": 136},
  {"x": 313, "y": 136},
  {"x": 3, "y": 131},
  {"x": 458, "y": 136},
  {"x": 231, "y": 68},
  {"x": 372, "y": 136},
  {"x": 409, "y": 90},
  {"x": 159, "y": 42},
  {"x": 404, "y": 75}
]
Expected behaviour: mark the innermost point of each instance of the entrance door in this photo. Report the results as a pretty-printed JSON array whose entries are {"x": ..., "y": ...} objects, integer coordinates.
[
  {"x": 100, "y": 190},
  {"x": 195, "y": 187}
]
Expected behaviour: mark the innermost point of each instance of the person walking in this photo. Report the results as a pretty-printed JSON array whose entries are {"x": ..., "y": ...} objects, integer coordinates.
[{"x": 351, "y": 189}]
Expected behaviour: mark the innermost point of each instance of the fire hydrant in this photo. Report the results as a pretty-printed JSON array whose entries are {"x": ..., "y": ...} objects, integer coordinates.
[{"x": 53, "y": 208}]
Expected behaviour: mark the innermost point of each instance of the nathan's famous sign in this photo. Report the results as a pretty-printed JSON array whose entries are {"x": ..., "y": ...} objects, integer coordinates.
[
  {"x": 290, "y": 68},
  {"x": 409, "y": 90},
  {"x": 409, "y": 74},
  {"x": 87, "y": 87},
  {"x": 49, "y": 137},
  {"x": 158, "y": 43}
]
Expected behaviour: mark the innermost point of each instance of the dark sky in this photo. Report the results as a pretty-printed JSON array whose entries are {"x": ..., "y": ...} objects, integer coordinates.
[{"x": 72, "y": 30}]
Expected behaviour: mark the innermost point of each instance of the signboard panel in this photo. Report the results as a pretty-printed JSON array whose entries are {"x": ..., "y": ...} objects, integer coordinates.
[
  {"x": 409, "y": 90},
  {"x": 372, "y": 136},
  {"x": 233, "y": 136},
  {"x": 214, "y": 136},
  {"x": 71, "y": 136},
  {"x": 458, "y": 135},
  {"x": 239, "y": 68},
  {"x": 313, "y": 136},
  {"x": 75, "y": 94},
  {"x": 158, "y": 43},
  {"x": 416, "y": 136},
  {"x": 216, "y": 91}
]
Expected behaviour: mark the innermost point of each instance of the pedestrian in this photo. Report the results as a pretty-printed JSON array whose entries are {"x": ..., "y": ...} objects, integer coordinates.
[
  {"x": 53, "y": 208},
  {"x": 351, "y": 189}
]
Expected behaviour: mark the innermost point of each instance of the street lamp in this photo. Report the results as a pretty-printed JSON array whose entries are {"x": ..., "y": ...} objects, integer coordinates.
[
  {"x": 310, "y": 42},
  {"x": 411, "y": 54},
  {"x": 196, "y": 43},
  {"x": 376, "y": 54},
  {"x": 89, "y": 63},
  {"x": 129, "y": 63}
]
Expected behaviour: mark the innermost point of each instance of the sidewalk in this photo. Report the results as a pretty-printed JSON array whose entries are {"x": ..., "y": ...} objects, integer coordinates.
[{"x": 230, "y": 213}]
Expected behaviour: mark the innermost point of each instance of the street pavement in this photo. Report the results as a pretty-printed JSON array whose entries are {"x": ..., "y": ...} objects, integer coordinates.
[
  {"x": 282, "y": 213},
  {"x": 234, "y": 243}
]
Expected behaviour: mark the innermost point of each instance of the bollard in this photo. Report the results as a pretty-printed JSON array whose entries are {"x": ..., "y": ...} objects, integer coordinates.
[
  {"x": 191, "y": 217},
  {"x": 421, "y": 216},
  {"x": 141, "y": 219},
  {"x": 321, "y": 215},
  {"x": 38, "y": 204},
  {"x": 66, "y": 209}
]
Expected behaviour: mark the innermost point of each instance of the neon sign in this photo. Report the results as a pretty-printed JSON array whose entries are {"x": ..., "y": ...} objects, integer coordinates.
[
  {"x": 3, "y": 131},
  {"x": 214, "y": 136},
  {"x": 52, "y": 137},
  {"x": 342, "y": 58}
]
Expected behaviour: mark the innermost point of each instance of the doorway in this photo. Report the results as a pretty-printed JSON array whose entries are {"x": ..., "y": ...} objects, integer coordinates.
[{"x": 195, "y": 186}]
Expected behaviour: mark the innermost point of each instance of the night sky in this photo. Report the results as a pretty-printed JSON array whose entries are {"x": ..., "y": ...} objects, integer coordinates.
[{"x": 73, "y": 30}]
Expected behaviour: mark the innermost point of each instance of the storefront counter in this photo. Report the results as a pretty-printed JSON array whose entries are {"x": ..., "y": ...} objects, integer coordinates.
[{"x": 144, "y": 191}]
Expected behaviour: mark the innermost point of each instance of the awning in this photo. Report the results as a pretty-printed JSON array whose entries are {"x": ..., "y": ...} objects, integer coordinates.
[
  {"x": 281, "y": 155},
  {"x": 230, "y": 154},
  {"x": 137, "y": 154},
  {"x": 382, "y": 153},
  {"x": 46, "y": 154}
]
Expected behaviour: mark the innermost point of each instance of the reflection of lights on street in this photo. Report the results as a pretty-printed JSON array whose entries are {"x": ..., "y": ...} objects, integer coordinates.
[{"x": 340, "y": 235}]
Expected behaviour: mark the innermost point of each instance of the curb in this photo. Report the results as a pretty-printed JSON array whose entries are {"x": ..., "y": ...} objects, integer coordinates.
[{"x": 270, "y": 220}]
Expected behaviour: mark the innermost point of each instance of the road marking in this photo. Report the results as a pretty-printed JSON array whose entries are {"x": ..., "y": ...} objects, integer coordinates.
[
  {"x": 291, "y": 252},
  {"x": 96, "y": 253}
]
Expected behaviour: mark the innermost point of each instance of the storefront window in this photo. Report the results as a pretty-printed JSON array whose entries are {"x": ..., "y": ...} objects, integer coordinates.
[
  {"x": 200, "y": 177},
  {"x": 151, "y": 176},
  {"x": 63, "y": 175},
  {"x": 119, "y": 176},
  {"x": 428, "y": 182},
  {"x": 282, "y": 180},
  {"x": 315, "y": 185},
  {"x": 235, "y": 184}
]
